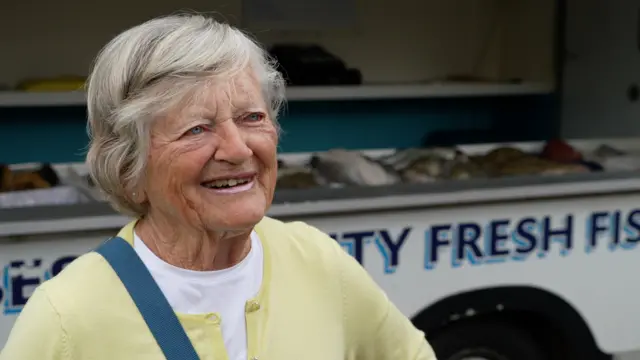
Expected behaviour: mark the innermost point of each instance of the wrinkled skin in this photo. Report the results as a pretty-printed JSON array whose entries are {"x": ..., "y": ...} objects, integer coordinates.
[{"x": 228, "y": 131}]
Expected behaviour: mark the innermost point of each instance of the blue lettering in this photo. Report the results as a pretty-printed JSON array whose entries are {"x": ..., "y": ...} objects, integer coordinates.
[
  {"x": 465, "y": 244},
  {"x": 497, "y": 241},
  {"x": 346, "y": 245},
  {"x": 595, "y": 229},
  {"x": 5, "y": 284},
  {"x": 18, "y": 285},
  {"x": 355, "y": 243},
  {"x": 60, "y": 264},
  {"x": 621, "y": 231},
  {"x": 524, "y": 238},
  {"x": 388, "y": 245},
  {"x": 614, "y": 232},
  {"x": 495, "y": 236},
  {"x": 438, "y": 236},
  {"x": 632, "y": 229},
  {"x": 20, "y": 278},
  {"x": 563, "y": 235},
  {"x": 390, "y": 248}
]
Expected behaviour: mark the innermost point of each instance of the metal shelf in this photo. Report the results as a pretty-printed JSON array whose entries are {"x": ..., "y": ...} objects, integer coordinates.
[
  {"x": 436, "y": 90},
  {"x": 316, "y": 93},
  {"x": 304, "y": 204}
]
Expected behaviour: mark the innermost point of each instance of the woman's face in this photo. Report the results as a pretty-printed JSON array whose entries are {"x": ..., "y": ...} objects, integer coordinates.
[{"x": 213, "y": 164}]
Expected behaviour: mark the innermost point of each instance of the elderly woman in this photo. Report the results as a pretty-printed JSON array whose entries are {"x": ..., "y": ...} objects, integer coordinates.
[{"x": 182, "y": 112}]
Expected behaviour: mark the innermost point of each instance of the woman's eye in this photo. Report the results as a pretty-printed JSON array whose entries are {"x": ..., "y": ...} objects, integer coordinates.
[
  {"x": 196, "y": 130},
  {"x": 255, "y": 117}
]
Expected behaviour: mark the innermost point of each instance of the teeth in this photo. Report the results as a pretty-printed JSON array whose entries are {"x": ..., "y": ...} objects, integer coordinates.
[{"x": 226, "y": 183}]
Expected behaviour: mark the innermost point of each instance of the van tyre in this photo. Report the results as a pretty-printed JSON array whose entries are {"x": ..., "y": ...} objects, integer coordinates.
[{"x": 486, "y": 341}]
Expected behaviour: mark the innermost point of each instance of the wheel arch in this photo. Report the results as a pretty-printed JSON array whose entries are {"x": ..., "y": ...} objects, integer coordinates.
[{"x": 499, "y": 301}]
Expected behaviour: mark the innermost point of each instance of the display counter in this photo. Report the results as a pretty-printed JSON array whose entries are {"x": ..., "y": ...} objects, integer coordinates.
[
  {"x": 28, "y": 221},
  {"x": 425, "y": 244}
]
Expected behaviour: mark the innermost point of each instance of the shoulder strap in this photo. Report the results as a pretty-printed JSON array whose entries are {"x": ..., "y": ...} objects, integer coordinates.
[{"x": 151, "y": 302}]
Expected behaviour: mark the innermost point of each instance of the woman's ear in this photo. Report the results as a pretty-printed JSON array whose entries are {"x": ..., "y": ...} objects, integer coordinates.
[{"x": 138, "y": 196}]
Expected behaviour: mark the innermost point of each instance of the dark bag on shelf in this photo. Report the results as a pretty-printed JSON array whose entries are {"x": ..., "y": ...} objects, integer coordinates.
[{"x": 307, "y": 65}]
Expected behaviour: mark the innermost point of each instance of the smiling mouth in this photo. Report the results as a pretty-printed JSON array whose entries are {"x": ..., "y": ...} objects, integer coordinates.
[{"x": 227, "y": 183}]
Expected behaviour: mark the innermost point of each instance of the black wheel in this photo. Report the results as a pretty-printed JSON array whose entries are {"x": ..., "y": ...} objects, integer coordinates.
[{"x": 486, "y": 341}]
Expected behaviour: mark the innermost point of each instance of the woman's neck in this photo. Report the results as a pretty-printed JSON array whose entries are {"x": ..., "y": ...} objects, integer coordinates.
[{"x": 192, "y": 248}]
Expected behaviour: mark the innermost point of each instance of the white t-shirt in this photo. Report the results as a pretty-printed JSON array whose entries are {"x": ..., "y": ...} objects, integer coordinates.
[{"x": 224, "y": 292}]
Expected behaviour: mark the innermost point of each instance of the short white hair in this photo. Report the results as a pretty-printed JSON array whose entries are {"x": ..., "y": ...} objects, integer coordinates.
[{"x": 146, "y": 71}]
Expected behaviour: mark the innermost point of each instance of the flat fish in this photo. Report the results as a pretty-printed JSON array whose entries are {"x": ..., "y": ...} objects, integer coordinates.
[{"x": 351, "y": 168}]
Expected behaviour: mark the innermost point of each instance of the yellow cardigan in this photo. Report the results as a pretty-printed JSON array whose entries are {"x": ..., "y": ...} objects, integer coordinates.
[{"x": 316, "y": 303}]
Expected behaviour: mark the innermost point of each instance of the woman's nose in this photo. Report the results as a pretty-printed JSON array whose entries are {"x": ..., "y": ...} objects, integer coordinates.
[{"x": 232, "y": 147}]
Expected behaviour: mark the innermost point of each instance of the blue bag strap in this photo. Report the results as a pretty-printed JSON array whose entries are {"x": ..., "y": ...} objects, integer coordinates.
[{"x": 151, "y": 302}]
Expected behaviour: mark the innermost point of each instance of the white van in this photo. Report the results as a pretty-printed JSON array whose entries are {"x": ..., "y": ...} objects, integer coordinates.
[{"x": 506, "y": 269}]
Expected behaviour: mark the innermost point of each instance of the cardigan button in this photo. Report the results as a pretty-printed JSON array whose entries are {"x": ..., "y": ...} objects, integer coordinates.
[
  {"x": 253, "y": 306},
  {"x": 213, "y": 318}
]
